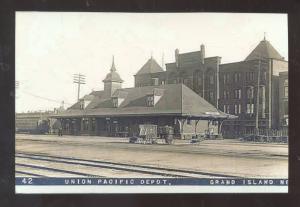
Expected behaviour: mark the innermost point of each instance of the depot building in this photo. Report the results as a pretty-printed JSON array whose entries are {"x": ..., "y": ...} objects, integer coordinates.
[{"x": 117, "y": 111}]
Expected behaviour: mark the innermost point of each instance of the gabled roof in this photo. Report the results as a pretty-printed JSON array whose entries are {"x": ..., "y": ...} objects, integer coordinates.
[
  {"x": 264, "y": 50},
  {"x": 176, "y": 99},
  {"x": 151, "y": 66}
]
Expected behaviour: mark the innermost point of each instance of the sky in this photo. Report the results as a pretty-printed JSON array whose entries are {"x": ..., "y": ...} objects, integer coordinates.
[{"x": 52, "y": 46}]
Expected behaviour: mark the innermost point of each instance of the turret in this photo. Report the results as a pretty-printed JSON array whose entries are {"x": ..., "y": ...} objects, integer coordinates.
[{"x": 112, "y": 82}]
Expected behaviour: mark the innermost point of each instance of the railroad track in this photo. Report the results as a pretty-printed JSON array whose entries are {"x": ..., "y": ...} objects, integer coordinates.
[{"x": 46, "y": 165}]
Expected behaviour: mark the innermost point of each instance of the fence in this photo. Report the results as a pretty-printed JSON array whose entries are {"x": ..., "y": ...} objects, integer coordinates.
[{"x": 260, "y": 135}]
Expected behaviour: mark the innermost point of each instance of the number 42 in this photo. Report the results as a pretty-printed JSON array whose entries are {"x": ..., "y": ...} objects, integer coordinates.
[{"x": 27, "y": 181}]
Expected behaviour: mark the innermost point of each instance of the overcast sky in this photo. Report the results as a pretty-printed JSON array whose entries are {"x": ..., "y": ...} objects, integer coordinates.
[{"x": 52, "y": 46}]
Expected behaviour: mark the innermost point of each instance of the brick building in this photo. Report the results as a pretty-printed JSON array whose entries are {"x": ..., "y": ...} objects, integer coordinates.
[
  {"x": 193, "y": 69},
  {"x": 283, "y": 100},
  {"x": 247, "y": 89},
  {"x": 250, "y": 89}
]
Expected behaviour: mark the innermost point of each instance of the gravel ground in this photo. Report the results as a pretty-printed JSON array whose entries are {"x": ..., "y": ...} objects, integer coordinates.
[{"x": 228, "y": 157}]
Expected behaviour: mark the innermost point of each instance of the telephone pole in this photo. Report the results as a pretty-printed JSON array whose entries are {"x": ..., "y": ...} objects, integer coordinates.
[
  {"x": 257, "y": 95},
  {"x": 79, "y": 79}
]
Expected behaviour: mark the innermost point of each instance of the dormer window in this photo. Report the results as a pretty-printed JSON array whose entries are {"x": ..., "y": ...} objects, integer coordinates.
[
  {"x": 82, "y": 104},
  {"x": 118, "y": 97},
  {"x": 150, "y": 100},
  {"x": 115, "y": 102},
  {"x": 154, "y": 96}
]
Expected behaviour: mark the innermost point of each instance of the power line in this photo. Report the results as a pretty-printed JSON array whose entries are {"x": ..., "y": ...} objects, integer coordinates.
[
  {"x": 79, "y": 79},
  {"x": 44, "y": 98}
]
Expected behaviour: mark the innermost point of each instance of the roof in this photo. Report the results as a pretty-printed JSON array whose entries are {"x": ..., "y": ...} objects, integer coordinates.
[
  {"x": 151, "y": 66},
  {"x": 176, "y": 99},
  {"x": 264, "y": 50}
]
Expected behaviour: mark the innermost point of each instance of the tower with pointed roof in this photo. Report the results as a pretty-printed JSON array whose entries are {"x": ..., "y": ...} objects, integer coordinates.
[
  {"x": 264, "y": 50},
  {"x": 149, "y": 73},
  {"x": 112, "y": 81}
]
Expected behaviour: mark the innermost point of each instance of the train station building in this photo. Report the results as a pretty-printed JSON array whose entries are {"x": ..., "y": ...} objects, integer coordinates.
[{"x": 118, "y": 111}]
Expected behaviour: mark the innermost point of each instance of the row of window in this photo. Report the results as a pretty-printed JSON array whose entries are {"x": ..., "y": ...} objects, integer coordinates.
[
  {"x": 187, "y": 81},
  {"x": 237, "y": 108},
  {"x": 249, "y": 91},
  {"x": 237, "y": 77}
]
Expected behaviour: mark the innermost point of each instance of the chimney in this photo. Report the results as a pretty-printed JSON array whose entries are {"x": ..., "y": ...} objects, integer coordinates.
[
  {"x": 202, "y": 53},
  {"x": 177, "y": 57}
]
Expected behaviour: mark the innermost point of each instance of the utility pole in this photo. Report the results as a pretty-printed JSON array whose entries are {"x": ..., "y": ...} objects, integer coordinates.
[
  {"x": 79, "y": 79},
  {"x": 257, "y": 94}
]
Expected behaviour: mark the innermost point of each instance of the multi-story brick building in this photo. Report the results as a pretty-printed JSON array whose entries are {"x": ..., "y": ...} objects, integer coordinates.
[
  {"x": 248, "y": 89},
  {"x": 193, "y": 69},
  {"x": 283, "y": 100}
]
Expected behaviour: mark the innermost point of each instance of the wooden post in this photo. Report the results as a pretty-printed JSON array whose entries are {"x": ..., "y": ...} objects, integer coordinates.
[{"x": 196, "y": 123}]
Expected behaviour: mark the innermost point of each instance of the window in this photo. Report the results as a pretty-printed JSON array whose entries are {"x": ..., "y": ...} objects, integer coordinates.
[
  {"x": 163, "y": 82},
  {"x": 286, "y": 108},
  {"x": 154, "y": 81},
  {"x": 226, "y": 94},
  {"x": 211, "y": 79},
  {"x": 250, "y": 93},
  {"x": 150, "y": 100},
  {"x": 93, "y": 124},
  {"x": 286, "y": 91},
  {"x": 250, "y": 108},
  {"x": 82, "y": 104},
  {"x": 250, "y": 76},
  {"x": 226, "y": 78},
  {"x": 237, "y": 77},
  {"x": 226, "y": 109},
  {"x": 211, "y": 95},
  {"x": 265, "y": 75},
  {"x": 115, "y": 102},
  {"x": 262, "y": 92},
  {"x": 237, "y": 108},
  {"x": 85, "y": 124},
  {"x": 237, "y": 94},
  {"x": 199, "y": 80}
]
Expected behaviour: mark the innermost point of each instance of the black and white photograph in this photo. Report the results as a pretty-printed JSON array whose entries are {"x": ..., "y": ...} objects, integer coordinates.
[{"x": 112, "y": 102}]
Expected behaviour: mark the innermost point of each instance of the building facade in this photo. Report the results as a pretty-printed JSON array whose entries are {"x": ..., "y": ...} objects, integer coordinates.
[
  {"x": 250, "y": 89},
  {"x": 193, "y": 69},
  {"x": 283, "y": 100}
]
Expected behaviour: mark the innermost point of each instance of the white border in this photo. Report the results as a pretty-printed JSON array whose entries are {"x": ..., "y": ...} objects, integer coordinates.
[{"x": 56, "y": 189}]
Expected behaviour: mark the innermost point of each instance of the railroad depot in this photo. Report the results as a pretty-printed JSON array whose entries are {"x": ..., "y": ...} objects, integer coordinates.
[{"x": 118, "y": 111}]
